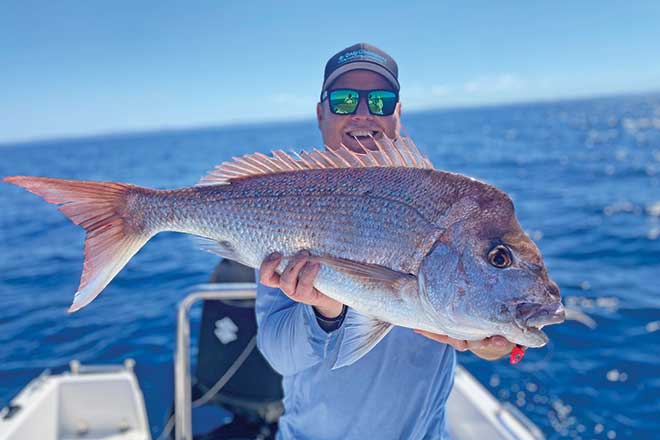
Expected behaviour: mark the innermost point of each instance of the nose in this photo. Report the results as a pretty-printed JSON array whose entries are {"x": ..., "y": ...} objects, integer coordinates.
[
  {"x": 535, "y": 315},
  {"x": 362, "y": 111}
]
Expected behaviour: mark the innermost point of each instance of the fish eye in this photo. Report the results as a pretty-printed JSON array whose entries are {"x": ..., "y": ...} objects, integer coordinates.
[{"x": 500, "y": 257}]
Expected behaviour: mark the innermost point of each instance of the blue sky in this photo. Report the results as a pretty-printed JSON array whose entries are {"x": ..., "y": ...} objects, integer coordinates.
[{"x": 77, "y": 68}]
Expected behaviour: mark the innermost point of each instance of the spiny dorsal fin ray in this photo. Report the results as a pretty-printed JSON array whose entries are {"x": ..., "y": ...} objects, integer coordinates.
[{"x": 401, "y": 152}]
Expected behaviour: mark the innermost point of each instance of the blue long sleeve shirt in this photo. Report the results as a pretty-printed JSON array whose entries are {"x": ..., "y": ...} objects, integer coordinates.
[{"x": 396, "y": 391}]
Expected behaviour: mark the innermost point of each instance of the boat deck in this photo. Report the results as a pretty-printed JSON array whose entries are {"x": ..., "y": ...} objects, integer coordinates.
[{"x": 106, "y": 402}]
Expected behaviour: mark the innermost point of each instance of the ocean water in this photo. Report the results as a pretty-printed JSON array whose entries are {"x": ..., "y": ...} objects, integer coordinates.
[{"x": 585, "y": 179}]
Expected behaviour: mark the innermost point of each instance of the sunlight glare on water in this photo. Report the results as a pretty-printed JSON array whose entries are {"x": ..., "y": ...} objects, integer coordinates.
[{"x": 584, "y": 176}]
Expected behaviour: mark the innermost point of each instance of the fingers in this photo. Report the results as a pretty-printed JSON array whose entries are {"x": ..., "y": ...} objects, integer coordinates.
[
  {"x": 436, "y": 337},
  {"x": 499, "y": 342},
  {"x": 289, "y": 278},
  {"x": 305, "y": 288},
  {"x": 493, "y": 343},
  {"x": 267, "y": 275},
  {"x": 458, "y": 344},
  {"x": 491, "y": 348},
  {"x": 297, "y": 279}
]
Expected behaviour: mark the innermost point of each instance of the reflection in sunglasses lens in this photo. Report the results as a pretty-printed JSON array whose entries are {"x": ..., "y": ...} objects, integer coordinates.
[
  {"x": 381, "y": 102},
  {"x": 344, "y": 102}
]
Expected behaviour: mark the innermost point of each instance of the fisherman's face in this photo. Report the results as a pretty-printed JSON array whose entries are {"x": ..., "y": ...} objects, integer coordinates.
[{"x": 346, "y": 129}]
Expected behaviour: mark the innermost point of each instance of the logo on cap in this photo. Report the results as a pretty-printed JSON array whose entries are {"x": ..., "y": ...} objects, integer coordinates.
[{"x": 361, "y": 54}]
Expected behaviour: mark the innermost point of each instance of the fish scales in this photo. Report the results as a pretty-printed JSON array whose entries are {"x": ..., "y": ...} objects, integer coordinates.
[
  {"x": 373, "y": 223},
  {"x": 399, "y": 243}
]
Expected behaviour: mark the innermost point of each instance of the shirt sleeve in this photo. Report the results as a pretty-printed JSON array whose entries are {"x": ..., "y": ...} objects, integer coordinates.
[{"x": 289, "y": 336}]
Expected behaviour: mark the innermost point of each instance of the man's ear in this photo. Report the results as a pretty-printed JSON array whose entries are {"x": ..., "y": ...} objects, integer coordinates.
[
  {"x": 397, "y": 112},
  {"x": 319, "y": 113}
]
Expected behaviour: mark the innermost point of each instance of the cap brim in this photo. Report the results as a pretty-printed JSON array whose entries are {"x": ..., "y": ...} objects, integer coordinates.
[{"x": 361, "y": 65}]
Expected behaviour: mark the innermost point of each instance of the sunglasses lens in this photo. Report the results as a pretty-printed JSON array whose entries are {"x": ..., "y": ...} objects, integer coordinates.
[
  {"x": 382, "y": 102},
  {"x": 344, "y": 102}
]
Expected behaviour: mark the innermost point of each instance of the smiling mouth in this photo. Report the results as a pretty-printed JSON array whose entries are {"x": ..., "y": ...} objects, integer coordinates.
[{"x": 362, "y": 134}]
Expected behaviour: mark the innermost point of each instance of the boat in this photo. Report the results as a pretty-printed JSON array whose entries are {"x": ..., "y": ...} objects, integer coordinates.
[{"x": 105, "y": 402}]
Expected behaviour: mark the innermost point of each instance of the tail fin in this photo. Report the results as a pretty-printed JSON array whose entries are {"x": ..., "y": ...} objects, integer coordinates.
[{"x": 102, "y": 210}]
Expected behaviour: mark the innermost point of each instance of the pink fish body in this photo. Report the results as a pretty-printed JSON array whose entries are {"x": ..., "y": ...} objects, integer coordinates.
[{"x": 399, "y": 242}]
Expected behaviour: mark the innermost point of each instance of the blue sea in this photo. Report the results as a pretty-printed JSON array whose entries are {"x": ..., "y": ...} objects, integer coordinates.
[{"x": 585, "y": 179}]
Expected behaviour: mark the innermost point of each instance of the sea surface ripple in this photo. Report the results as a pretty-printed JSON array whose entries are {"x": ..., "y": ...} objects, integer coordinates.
[{"x": 585, "y": 179}]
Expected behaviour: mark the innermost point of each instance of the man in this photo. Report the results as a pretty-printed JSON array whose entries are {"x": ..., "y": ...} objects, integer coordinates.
[{"x": 399, "y": 389}]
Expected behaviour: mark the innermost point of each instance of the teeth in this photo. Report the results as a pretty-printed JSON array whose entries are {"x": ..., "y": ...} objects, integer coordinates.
[{"x": 361, "y": 133}]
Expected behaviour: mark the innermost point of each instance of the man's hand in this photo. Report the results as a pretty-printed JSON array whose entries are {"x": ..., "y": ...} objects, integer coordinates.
[
  {"x": 297, "y": 282},
  {"x": 490, "y": 348}
]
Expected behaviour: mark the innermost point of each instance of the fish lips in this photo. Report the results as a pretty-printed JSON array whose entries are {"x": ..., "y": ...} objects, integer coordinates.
[
  {"x": 531, "y": 318},
  {"x": 546, "y": 315}
]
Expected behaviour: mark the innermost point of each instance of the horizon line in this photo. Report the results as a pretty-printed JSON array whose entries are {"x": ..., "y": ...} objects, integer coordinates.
[{"x": 295, "y": 119}]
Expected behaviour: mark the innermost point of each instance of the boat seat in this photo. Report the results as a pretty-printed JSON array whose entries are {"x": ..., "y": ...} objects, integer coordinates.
[{"x": 254, "y": 392}]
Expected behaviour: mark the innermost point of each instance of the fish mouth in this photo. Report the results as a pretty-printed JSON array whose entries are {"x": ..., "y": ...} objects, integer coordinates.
[
  {"x": 531, "y": 318},
  {"x": 547, "y": 315},
  {"x": 529, "y": 336}
]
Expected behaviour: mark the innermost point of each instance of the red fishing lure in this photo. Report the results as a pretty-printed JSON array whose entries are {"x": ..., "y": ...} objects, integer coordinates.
[{"x": 517, "y": 354}]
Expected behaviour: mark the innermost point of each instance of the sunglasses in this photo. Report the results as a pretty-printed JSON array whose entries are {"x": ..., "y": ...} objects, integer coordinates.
[{"x": 346, "y": 101}]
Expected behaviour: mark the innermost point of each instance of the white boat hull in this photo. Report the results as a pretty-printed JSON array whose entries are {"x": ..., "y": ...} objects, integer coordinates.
[{"x": 95, "y": 403}]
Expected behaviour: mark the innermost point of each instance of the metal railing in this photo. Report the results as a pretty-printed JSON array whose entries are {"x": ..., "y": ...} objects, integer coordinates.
[
  {"x": 182, "y": 380},
  {"x": 508, "y": 418}
]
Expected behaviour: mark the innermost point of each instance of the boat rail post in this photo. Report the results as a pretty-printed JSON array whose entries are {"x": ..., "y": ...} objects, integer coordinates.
[
  {"x": 182, "y": 380},
  {"x": 182, "y": 404}
]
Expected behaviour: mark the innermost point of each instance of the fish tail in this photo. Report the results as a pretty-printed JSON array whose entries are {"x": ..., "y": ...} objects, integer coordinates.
[{"x": 107, "y": 211}]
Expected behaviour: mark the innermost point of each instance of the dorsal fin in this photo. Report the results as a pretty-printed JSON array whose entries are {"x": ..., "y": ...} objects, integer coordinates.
[{"x": 401, "y": 152}]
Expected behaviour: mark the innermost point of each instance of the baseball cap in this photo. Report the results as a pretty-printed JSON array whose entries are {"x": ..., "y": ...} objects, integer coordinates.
[{"x": 361, "y": 56}]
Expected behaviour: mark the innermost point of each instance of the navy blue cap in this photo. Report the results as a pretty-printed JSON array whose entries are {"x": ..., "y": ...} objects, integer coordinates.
[{"x": 361, "y": 56}]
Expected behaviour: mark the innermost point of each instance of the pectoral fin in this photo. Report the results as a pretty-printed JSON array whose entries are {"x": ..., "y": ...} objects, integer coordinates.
[
  {"x": 361, "y": 334},
  {"x": 369, "y": 273}
]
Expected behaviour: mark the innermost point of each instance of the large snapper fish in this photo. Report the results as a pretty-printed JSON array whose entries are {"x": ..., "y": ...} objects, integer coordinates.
[{"x": 399, "y": 242}]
